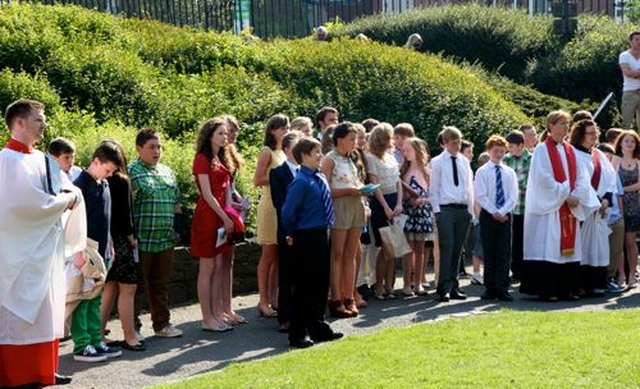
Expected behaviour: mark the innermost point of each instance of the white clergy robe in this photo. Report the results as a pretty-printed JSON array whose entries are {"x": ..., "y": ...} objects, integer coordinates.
[
  {"x": 543, "y": 200},
  {"x": 32, "y": 279},
  {"x": 595, "y": 230}
]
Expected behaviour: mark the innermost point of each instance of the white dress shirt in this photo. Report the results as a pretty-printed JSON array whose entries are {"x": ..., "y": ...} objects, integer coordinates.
[
  {"x": 485, "y": 188},
  {"x": 443, "y": 190}
]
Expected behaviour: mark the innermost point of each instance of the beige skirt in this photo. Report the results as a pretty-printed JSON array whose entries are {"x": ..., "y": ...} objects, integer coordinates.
[{"x": 349, "y": 212}]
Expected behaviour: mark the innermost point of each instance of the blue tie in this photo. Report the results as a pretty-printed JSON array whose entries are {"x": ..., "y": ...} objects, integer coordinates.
[
  {"x": 326, "y": 199},
  {"x": 499, "y": 188}
]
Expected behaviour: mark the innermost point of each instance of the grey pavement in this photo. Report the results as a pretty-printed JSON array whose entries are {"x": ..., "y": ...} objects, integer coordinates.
[{"x": 197, "y": 352}]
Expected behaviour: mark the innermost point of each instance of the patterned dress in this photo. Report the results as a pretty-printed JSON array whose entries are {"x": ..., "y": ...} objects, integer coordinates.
[
  {"x": 631, "y": 200},
  {"x": 420, "y": 219}
]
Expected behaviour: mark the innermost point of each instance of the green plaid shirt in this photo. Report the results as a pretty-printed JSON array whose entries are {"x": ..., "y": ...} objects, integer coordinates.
[
  {"x": 521, "y": 166},
  {"x": 155, "y": 194}
]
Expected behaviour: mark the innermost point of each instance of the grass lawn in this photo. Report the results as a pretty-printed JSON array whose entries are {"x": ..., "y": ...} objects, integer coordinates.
[{"x": 506, "y": 349}]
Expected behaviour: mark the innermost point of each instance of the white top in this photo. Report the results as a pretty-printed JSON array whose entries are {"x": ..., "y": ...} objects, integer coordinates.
[
  {"x": 629, "y": 84},
  {"x": 544, "y": 198},
  {"x": 443, "y": 189},
  {"x": 485, "y": 188},
  {"x": 293, "y": 168},
  {"x": 344, "y": 173},
  {"x": 386, "y": 169}
]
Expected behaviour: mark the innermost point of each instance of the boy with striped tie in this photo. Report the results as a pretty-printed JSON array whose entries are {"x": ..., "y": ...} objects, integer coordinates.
[
  {"x": 496, "y": 192},
  {"x": 307, "y": 214}
]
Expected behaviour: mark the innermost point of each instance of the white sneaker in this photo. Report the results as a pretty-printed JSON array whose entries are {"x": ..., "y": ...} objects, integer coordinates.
[
  {"x": 139, "y": 336},
  {"x": 169, "y": 332},
  {"x": 477, "y": 279}
]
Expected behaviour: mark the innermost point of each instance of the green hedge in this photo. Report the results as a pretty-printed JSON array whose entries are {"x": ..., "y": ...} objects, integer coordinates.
[
  {"x": 511, "y": 43},
  {"x": 499, "y": 38}
]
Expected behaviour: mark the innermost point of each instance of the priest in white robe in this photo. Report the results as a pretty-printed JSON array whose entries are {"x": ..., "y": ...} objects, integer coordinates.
[
  {"x": 32, "y": 289},
  {"x": 595, "y": 229},
  {"x": 558, "y": 198}
]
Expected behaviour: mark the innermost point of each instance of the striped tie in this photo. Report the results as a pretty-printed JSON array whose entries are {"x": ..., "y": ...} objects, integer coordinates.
[
  {"x": 326, "y": 198},
  {"x": 499, "y": 188}
]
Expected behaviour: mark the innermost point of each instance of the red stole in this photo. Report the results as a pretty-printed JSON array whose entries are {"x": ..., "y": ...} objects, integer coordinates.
[
  {"x": 18, "y": 146},
  {"x": 568, "y": 223},
  {"x": 597, "y": 170}
]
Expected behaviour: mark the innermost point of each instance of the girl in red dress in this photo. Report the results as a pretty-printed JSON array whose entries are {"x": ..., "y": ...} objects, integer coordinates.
[{"x": 212, "y": 168}]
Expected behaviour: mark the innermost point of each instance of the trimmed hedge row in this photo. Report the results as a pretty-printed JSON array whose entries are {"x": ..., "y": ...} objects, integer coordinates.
[
  {"x": 515, "y": 45},
  {"x": 499, "y": 38}
]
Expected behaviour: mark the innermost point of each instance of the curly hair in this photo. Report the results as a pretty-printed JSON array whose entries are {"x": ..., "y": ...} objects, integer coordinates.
[
  {"x": 578, "y": 130},
  {"x": 203, "y": 144}
]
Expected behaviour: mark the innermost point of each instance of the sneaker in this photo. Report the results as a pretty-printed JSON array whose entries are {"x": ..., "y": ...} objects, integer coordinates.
[
  {"x": 139, "y": 336},
  {"x": 89, "y": 354},
  {"x": 477, "y": 279},
  {"x": 612, "y": 287},
  {"x": 110, "y": 352},
  {"x": 169, "y": 332}
]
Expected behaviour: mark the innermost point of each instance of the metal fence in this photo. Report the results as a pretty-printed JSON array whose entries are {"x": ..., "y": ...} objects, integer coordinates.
[{"x": 291, "y": 18}]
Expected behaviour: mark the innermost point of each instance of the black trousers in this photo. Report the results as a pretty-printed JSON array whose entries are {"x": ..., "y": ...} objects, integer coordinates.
[
  {"x": 285, "y": 289},
  {"x": 310, "y": 284},
  {"x": 496, "y": 246},
  {"x": 517, "y": 249}
]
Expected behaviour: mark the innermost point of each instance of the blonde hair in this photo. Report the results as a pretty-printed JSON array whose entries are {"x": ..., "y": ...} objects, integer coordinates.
[
  {"x": 414, "y": 41},
  {"x": 422, "y": 157},
  {"x": 380, "y": 139}
]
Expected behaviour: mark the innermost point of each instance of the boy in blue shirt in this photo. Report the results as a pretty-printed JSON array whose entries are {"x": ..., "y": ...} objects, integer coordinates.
[{"x": 307, "y": 213}]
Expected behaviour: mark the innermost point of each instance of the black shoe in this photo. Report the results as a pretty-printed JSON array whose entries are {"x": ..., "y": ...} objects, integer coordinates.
[
  {"x": 505, "y": 297},
  {"x": 487, "y": 296},
  {"x": 305, "y": 342},
  {"x": 443, "y": 298},
  {"x": 365, "y": 291},
  {"x": 62, "y": 379},
  {"x": 283, "y": 327},
  {"x": 458, "y": 295},
  {"x": 328, "y": 338}
]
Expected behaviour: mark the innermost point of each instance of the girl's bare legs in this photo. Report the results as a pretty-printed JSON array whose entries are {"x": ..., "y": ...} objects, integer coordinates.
[
  {"x": 632, "y": 257},
  {"x": 217, "y": 289},
  {"x": 348, "y": 277},
  {"x": 205, "y": 284},
  {"x": 125, "y": 311},
  {"x": 338, "y": 239},
  {"x": 227, "y": 288},
  {"x": 273, "y": 283},
  {"x": 407, "y": 270},
  {"x": 269, "y": 253},
  {"x": 109, "y": 294}
]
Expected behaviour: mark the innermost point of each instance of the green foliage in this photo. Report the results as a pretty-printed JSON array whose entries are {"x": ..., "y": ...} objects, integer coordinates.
[
  {"x": 587, "y": 67},
  {"x": 105, "y": 77},
  {"x": 367, "y": 80},
  {"x": 499, "y": 38}
]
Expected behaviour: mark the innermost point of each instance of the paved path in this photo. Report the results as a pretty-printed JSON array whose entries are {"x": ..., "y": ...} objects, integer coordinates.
[{"x": 199, "y": 352}]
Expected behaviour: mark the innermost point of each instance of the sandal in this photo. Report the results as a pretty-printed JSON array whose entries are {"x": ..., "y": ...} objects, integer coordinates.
[
  {"x": 337, "y": 310},
  {"x": 132, "y": 347},
  {"x": 350, "y": 306}
]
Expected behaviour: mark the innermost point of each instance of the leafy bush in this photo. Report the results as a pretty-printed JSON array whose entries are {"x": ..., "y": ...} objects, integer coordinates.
[
  {"x": 368, "y": 80},
  {"x": 587, "y": 67},
  {"x": 499, "y": 38}
]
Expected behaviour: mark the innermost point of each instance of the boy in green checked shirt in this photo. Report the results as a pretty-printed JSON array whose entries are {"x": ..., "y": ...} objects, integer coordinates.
[
  {"x": 519, "y": 159},
  {"x": 157, "y": 217}
]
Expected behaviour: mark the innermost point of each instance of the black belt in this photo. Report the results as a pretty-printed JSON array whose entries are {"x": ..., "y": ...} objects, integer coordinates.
[{"x": 458, "y": 206}]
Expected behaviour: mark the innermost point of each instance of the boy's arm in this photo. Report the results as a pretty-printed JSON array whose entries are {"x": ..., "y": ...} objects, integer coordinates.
[{"x": 291, "y": 206}]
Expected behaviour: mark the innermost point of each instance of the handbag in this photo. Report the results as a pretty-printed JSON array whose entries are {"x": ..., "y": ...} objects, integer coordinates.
[
  {"x": 394, "y": 242},
  {"x": 238, "y": 234}
]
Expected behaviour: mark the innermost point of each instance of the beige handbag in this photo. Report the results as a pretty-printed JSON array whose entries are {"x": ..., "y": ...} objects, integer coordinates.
[
  {"x": 394, "y": 242},
  {"x": 88, "y": 283}
]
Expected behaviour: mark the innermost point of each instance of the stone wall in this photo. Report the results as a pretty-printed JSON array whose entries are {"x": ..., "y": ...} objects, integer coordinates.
[{"x": 182, "y": 287}]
